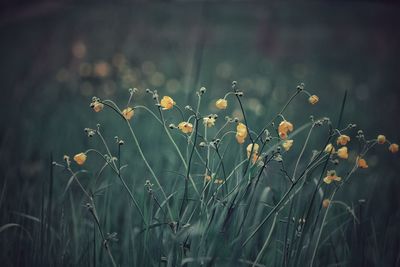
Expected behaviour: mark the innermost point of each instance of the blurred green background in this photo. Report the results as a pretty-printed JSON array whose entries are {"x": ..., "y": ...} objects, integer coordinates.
[{"x": 56, "y": 56}]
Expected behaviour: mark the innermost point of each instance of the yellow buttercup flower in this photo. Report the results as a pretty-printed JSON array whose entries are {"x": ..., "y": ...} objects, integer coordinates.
[
  {"x": 128, "y": 113},
  {"x": 329, "y": 149},
  {"x": 325, "y": 203},
  {"x": 362, "y": 163},
  {"x": 167, "y": 103},
  {"x": 313, "y": 99},
  {"x": 381, "y": 139},
  {"x": 287, "y": 144},
  {"x": 221, "y": 103},
  {"x": 241, "y": 129},
  {"x": 343, "y": 153},
  {"x": 283, "y": 129},
  {"x": 209, "y": 121},
  {"x": 241, "y": 133},
  {"x": 343, "y": 139},
  {"x": 240, "y": 139},
  {"x": 394, "y": 148},
  {"x": 97, "y": 106},
  {"x": 185, "y": 127},
  {"x": 331, "y": 176},
  {"x": 254, "y": 156},
  {"x": 251, "y": 147},
  {"x": 80, "y": 158},
  {"x": 282, "y": 135}
]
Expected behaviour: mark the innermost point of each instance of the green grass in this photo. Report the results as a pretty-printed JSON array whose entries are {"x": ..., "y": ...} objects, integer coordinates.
[{"x": 154, "y": 207}]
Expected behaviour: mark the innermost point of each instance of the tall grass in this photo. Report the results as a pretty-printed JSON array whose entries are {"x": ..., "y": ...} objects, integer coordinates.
[{"x": 230, "y": 193}]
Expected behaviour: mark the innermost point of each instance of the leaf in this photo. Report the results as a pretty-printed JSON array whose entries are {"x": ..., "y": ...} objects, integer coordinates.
[
  {"x": 33, "y": 218},
  {"x": 9, "y": 225}
]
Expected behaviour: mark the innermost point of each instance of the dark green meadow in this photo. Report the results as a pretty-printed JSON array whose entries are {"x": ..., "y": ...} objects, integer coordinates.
[{"x": 149, "y": 194}]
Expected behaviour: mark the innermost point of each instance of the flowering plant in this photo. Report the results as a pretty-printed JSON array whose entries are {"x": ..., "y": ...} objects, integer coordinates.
[{"x": 230, "y": 210}]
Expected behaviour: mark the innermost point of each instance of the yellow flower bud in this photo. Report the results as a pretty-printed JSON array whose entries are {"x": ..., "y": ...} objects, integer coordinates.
[
  {"x": 326, "y": 203},
  {"x": 381, "y": 139},
  {"x": 185, "y": 127},
  {"x": 331, "y": 176},
  {"x": 283, "y": 129},
  {"x": 167, "y": 103},
  {"x": 251, "y": 147},
  {"x": 241, "y": 130},
  {"x": 313, "y": 99},
  {"x": 362, "y": 163},
  {"x": 97, "y": 106},
  {"x": 241, "y": 133},
  {"x": 128, "y": 113},
  {"x": 209, "y": 121},
  {"x": 394, "y": 148},
  {"x": 329, "y": 149},
  {"x": 80, "y": 158},
  {"x": 287, "y": 144},
  {"x": 343, "y": 153},
  {"x": 343, "y": 139},
  {"x": 240, "y": 139},
  {"x": 221, "y": 103}
]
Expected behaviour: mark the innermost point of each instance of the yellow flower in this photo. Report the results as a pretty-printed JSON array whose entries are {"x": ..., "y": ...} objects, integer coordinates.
[
  {"x": 361, "y": 163},
  {"x": 167, "y": 103},
  {"x": 209, "y": 121},
  {"x": 381, "y": 139},
  {"x": 240, "y": 139},
  {"x": 331, "y": 176},
  {"x": 325, "y": 203},
  {"x": 343, "y": 139},
  {"x": 313, "y": 99},
  {"x": 185, "y": 127},
  {"x": 218, "y": 181},
  {"x": 255, "y": 156},
  {"x": 343, "y": 152},
  {"x": 287, "y": 144},
  {"x": 97, "y": 106},
  {"x": 221, "y": 103},
  {"x": 284, "y": 127},
  {"x": 329, "y": 149},
  {"x": 241, "y": 129},
  {"x": 394, "y": 148},
  {"x": 207, "y": 177},
  {"x": 241, "y": 133},
  {"x": 128, "y": 113},
  {"x": 282, "y": 135},
  {"x": 80, "y": 158},
  {"x": 251, "y": 147}
]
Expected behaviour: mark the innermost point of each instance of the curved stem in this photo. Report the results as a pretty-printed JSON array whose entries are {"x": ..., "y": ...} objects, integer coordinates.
[
  {"x": 179, "y": 152},
  {"x": 326, "y": 215},
  {"x": 118, "y": 172},
  {"x": 148, "y": 110},
  {"x": 149, "y": 168},
  {"x": 116, "y": 109}
]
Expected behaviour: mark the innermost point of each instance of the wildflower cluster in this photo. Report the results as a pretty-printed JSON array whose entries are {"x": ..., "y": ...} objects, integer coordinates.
[{"x": 230, "y": 182}]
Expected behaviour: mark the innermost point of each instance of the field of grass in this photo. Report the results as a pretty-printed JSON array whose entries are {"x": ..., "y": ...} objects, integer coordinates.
[{"x": 200, "y": 135}]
